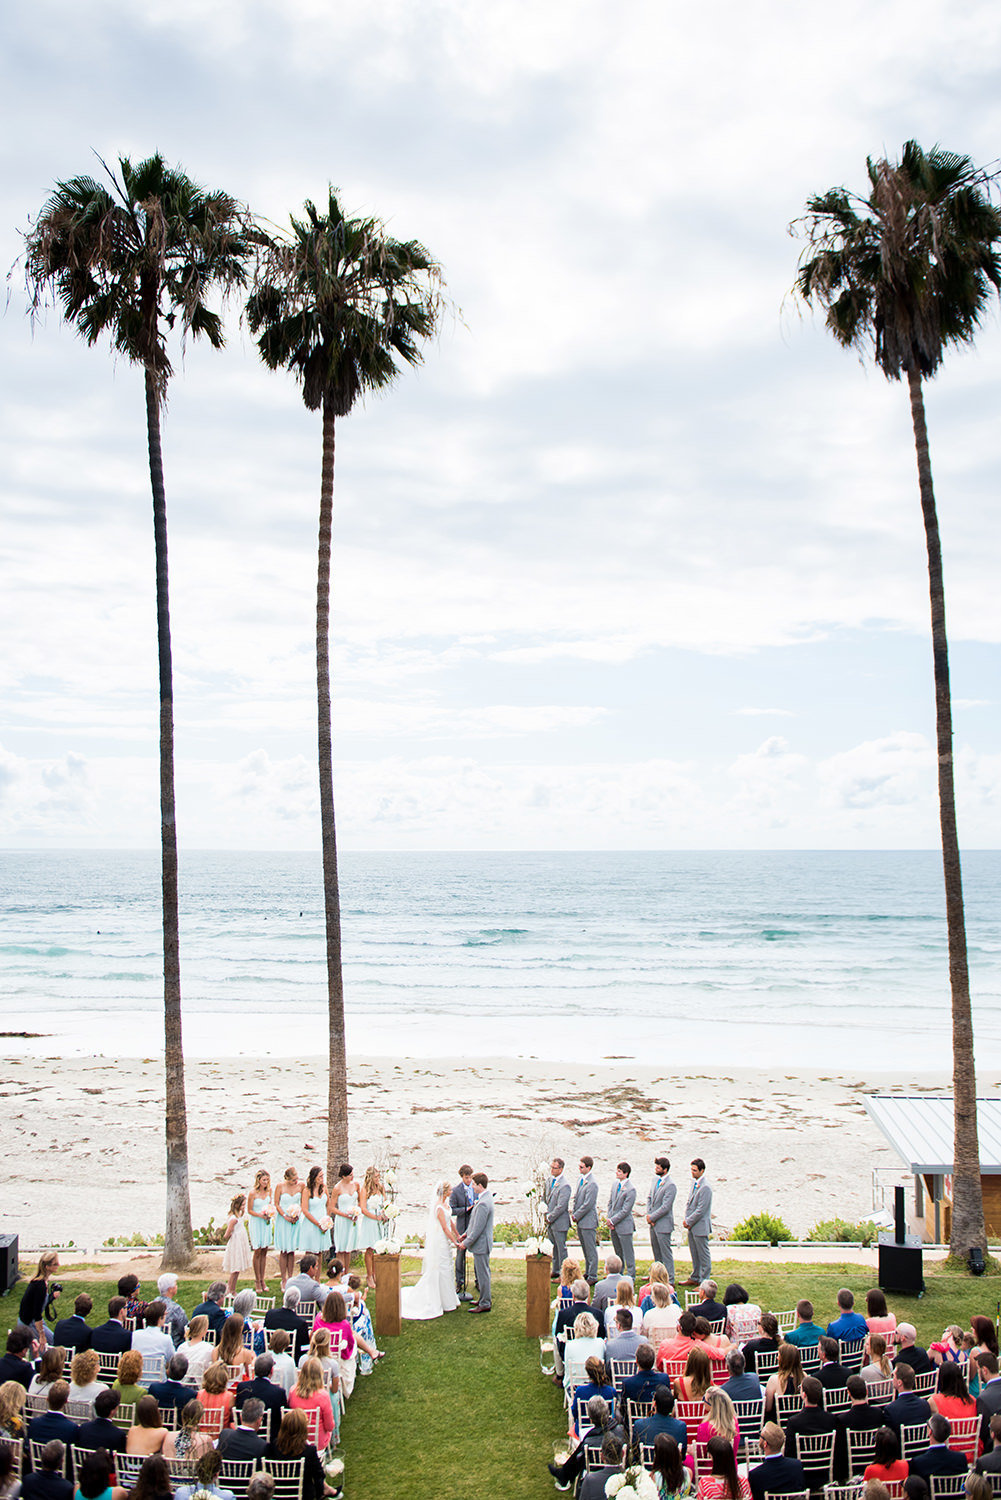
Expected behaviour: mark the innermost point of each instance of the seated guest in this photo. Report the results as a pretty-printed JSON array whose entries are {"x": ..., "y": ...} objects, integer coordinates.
[
  {"x": 197, "y": 1350},
  {"x": 708, "y": 1306},
  {"x": 626, "y": 1339},
  {"x": 148, "y": 1434},
  {"x": 938, "y": 1457},
  {"x": 806, "y": 1331},
  {"x": 54, "y": 1423},
  {"x": 660, "y": 1321},
  {"x": 887, "y": 1464},
  {"x": 787, "y": 1378},
  {"x": 849, "y": 1326},
  {"x": 625, "y": 1296},
  {"x": 101, "y": 1431},
  {"x": 153, "y": 1482},
  {"x": 50, "y": 1369},
  {"x": 47, "y": 1482},
  {"x": 84, "y": 1384},
  {"x": 334, "y": 1317},
  {"x": 952, "y": 1399},
  {"x": 216, "y": 1396},
  {"x": 832, "y": 1374},
  {"x": 814, "y": 1419},
  {"x": 949, "y": 1348},
  {"x": 207, "y": 1476},
  {"x": 879, "y": 1367},
  {"x": 663, "y": 1420},
  {"x": 596, "y": 1384},
  {"x": 13, "y": 1365},
  {"x": 909, "y": 1352},
  {"x": 767, "y": 1341},
  {"x": 878, "y": 1318},
  {"x": 741, "y": 1313},
  {"x": 188, "y": 1441},
  {"x": 906, "y": 1409},
  {"x": 262, "y": 1388},
  {"x": 231, "y": 1350},
  {"x": 740, "y": 1386},
  {"x": 130, "y": 1368},
  {"x": 153, "y": 1339},
  {"x": 319, "y": 1349},
  {"x": 212, "y": 1307},
  {"x": 12, "y": 1398},
  {"x": 978, "y": 1487},
  {"x": 720, "y": 1420},
  {"x": 245, "y": 1441},
  {"x": 981, "y": 1339},
  {"x": 293, "y": 1442},
  {"x": 684, "y": 1341},
  {"x": 592, "y": 1486},
  {"x": 288, "y": 1318},
  {"x": 74, "y": 1333},
  {"x": 580, "y": 1348},
  {"x": 564, "y": 1319},
  {"x": 668, "y": 1472},
  {"x": 697, "y": 1379},
  {"x": 285, "y": 1372},
  {"x": 715, "y": 1344},
  {"x": 603, "y": 1425},
  {"x": 112, "y": 1337},
  {"x": 656, "y": 1276},
  {"x": 135, "y": 1307},
  {"x": 604, "y": 1290},
  {"x": 310, "y": 1289},
  {"x": 861, "y": 1417},
  {"x": 308, "y": 1394},
  {"x": 95, "y": 1477},
  {"x": 991, "y": 1461},
  {"x": 722, "y": 1482},
  {"x": 174, "y": 1390},
  {"x": 176, "y": 1319},
  {"x": 10, "y": 1485},
  {"x": 361, "y": 1327},
  {"x": 777, "y": 1474},
  {"x": 641, "y": 1386},
  {"x": 570, "y": 1272}
]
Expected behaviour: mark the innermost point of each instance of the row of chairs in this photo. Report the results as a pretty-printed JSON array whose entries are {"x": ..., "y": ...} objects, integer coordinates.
[{"x": 235, "y": 1473}]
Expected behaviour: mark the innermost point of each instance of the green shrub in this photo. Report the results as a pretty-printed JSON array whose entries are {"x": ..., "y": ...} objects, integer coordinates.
[
  {"x": 762, "y": 1227},
  {"x": 839, "y": 1231},
  {"x": 512, "y": 1231}
]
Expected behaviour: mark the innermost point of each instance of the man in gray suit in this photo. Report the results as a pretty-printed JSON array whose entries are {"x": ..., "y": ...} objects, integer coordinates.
[
  {"x": 479, "y": 1239},
  {"x": 660, "y": 1214},
  {"x": 584, "y": 1213},
  {"x": 698, "y": 1222},
  {"x": 558, "y": 1214},
  {"x": 620, "y": 1218}
]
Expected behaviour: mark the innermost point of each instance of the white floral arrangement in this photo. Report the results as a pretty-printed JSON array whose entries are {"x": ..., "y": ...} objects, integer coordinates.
[
  {"x": 534, "y": 1190},
  {"x": 202, "y": 1494},
  {"x": 391, "y": 1211},
  {"x": 333, "y": 1472},
  {"x": 389, "y": 1179},
  {"x": 388, "y": 1247},
  {"x": 634, "y": 1484}
]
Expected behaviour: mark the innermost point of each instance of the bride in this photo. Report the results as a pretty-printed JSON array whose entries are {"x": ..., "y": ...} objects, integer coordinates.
[{"x": 435, "y": 1293}]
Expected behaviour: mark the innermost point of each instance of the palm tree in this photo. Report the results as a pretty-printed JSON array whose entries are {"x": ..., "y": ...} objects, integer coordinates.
[
  {"x": 340, "y": 304},
  {"x": 131, "y": 260},
  {"x": 907, "y": 272}
]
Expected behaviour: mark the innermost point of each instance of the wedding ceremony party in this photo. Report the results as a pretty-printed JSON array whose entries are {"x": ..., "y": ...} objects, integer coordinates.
[{"x": 500, "y": 757}]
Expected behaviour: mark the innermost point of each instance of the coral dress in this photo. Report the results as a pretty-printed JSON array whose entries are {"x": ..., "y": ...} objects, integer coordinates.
[{"x": 237, "y": 1256}]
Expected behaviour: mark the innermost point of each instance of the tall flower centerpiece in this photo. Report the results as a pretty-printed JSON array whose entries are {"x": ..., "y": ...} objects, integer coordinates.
[
  {"x": 634, "y": 1484},
  {"x": 538, "y": 1250},
  {"x": 387, "y": 1258}
]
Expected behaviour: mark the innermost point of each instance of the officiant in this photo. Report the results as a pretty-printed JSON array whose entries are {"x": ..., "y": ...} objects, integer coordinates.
[{"x": 460, "y": 1206}]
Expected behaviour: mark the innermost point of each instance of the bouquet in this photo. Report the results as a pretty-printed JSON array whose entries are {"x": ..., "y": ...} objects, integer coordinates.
[
  {"x": 326, "y": 1223},
  {"x": 293, "y": 1214},
  {"x": 269, "y": 1213},
  {"x": 634, "y": 1484},
  {"x": 391, "y": 1211},
  {"x": 354, "y": 1213}
]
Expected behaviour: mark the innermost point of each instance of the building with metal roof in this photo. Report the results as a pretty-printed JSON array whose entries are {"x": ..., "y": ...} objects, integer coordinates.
[{"x": 920, "y": 1129}]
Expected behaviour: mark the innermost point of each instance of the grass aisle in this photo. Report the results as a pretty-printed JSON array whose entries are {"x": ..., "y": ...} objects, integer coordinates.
[{"x": 458, "y": 1408}]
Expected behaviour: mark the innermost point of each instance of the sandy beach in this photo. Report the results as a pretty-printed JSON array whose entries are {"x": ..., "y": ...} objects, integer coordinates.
[{"x": 84, "y": 1137}]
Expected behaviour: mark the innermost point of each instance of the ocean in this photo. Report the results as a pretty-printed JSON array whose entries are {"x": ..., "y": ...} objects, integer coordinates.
[{"x": 809, "y": 959}]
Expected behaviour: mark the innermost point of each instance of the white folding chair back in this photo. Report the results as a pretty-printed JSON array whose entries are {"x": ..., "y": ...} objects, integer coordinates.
[
  {"x": 154, "y": 1368},
  {"x": 750, "y": 1416},
  {"x": 994, "y": 1480},
  {"x": 107, "y": 1367},
  {"x": 675, "y": 1368},
  {"x": 34, "y": 1406},
  {"x": 965, "y": 1436},
  {"x": 880, "y": 1392},
  {"x": 79, "y": 1411},
  {"x": 124, "y": 1414},
  {"x": 287, "y": 1475},
  {"x": 235, "y": 1373},
  {"x": 913, "y": 1439},
  {"x": 716, "y": 1325},
  {"x": 646, "y": 1455},
  {"x": 809, "y": 1357},
  {"x": 692, "y": 1413},
  {"x": 837, "y": 1400},
  {"x": 766, "y": 1362},
  {"x": 786, "y": 1320},
  {"x": 14, "y": 1447},
  {"x": 307, "y": 1310},
  {"x": 235, "y": 1473},
  {"x": 182, "y": 1470},
  {"x": 170, "y": 1418},
  {"x": 789, "y": 1495},
  {"x": 787, "y": 1405},
  {"x": 692, "y": 1298},
  {"x": 593, "y": 1458},
  {"x": 750, "y": 1451},
  {"x": 851, "y": 1354},
  {"x": 947, "y": 1486},
  {"x": 35, "y": 1453},
  {"x": 619, "y": 1369},
  {"x": 212, "y": 1421},
  {"x": 313, "y": 1427},
  {"x": 127, "y": 1466},
  {"x": 925, "y": 1385},
  {"x": 842, "y": 1491},
  {"x": 815, "y": 1451},
  {"x": 861, "y": 1448}
]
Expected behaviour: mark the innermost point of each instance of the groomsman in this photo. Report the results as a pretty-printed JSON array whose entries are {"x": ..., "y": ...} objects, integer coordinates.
[
  {"x": 660, "y": 1214},
  {"x": 460, "y": 1206},
  {"x": 584, "y": 1213},
  {"x": 698, "y": 1222},
  {"x": 558, "y": 1214},
  {"x": 620, "y": 1218}
]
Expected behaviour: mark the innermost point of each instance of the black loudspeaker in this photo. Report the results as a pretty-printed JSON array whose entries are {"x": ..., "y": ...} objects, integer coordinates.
[
  {"x": 976, "y": 1261},
  {"x": 900, "y": 1267},
  {"x": 8, "y": 1263},
  {"x": 899, "y": 1218}
]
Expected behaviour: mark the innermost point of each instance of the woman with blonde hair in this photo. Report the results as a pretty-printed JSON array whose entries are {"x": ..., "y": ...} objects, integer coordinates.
[
  {"x": 12, "y": 1398},
  {"x": 308, "y": 1395},
  {"x": 84, "y": 1384},
  {"x": 372, "y": 1203},
  {"x": 35, "y": 1301},
  {"x": 720, "y": 1419},
  {"x": 215, "y": 1396},
  {"x": 788, "y": 1377},
  {"x": 625, "y": 1296},
  {"x": 879, "y": 1367},
  {"x": 656, "y": 1276},
  {"x": 260, "y": 1231},
  {"x": 319, "y": 1349},
  {"x": 130, "y": 1368},
  {"x": 196, "y": 1349},
  {"x": 148, "y": 1433},
  {"x": 188, "y": 1441},
  {"x": 570, "y": 1272},
  {"x": 697, "y": 1379},
  {"x": 586, "y": 1342},
  {"x": 231, "y": 1349},
  {"x": 660, "y": 1321},
  {"x": 50, "y": 1369}
]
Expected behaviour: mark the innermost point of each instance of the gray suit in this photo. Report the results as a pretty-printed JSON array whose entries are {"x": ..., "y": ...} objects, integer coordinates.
[
  {"x": 698, "y": 1217},
  {"x": 558, "y": 1218},
  {"x": 480, "y": 1242},
  {"x": 660, "y": 1208},
  {"x": 620, "y": 1221},
  {"x": 585, "y": 1215}
]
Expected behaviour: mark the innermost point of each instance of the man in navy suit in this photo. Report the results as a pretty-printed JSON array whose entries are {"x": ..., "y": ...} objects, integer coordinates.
[
  {"x": 112, "y": 1337},
  {"x": 938, "y": 1457},
  {"x": 907, "y": 1409},
  {"x": 244, "y": 1442},
  {"x": 642, "y": 1386},
  {"x": 47, "y": 1483},
  {"x": 14, "y": 1366},
  {"x": 54, "y": 1423},
  {"x": 776, "y": 1475},
  {"x": 212, "y": 1307},
  {"x": 263, "y": 1388},
  {"x": 102, "y": 1431},
  {"x": 74, "y": 1333},
  {"x": 648, "y": 1429},
  {"x": 172, "y": 1391}
]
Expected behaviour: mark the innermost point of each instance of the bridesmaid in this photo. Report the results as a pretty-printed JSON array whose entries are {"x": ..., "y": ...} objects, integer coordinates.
[
  {"x": 346, "y": 1213},
  {"x": 314, "y": 1226},
  {"x": 259, "y": 1216},
  {"x": 288, "y": 1202},
  {"x": 371, "y": 1201}
]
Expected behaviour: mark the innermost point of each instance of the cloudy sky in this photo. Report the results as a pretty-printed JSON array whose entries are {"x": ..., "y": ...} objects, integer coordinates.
[{"x": 634, "y": 560}]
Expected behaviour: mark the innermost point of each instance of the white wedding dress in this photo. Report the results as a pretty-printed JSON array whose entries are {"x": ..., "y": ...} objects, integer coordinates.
[{"x": 435, "y": 1293}]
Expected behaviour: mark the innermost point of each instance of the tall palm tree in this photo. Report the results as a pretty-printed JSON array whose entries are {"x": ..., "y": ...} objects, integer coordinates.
[
  {"x": 906, "y": 273},
  {"x": 132, "y": 258},
  {"x": 340, "y": 304}
]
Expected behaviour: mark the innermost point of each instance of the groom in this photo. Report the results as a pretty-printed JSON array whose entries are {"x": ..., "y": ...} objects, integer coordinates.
[{"x": 478, "y": 1239}]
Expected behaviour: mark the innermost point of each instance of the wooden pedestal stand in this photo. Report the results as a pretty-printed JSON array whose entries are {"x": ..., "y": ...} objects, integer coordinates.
[
  {"x": 387, "y": 1296},
  {"x": 538, "y": 1313}
]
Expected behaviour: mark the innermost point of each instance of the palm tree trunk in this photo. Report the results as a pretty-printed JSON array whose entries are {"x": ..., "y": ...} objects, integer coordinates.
[
  {"x": 337, "y": 1084},
  {"x": 967, "y": 1196},
  {"x": 178, "y": 1244}
]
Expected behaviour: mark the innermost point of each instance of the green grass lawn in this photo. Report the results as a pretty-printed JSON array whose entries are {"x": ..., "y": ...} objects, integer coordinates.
[{"x": 459, "y": 1408}]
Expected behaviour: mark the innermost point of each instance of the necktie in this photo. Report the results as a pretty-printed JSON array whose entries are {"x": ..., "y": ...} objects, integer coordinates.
[{"x": 618, "y": 1189}]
